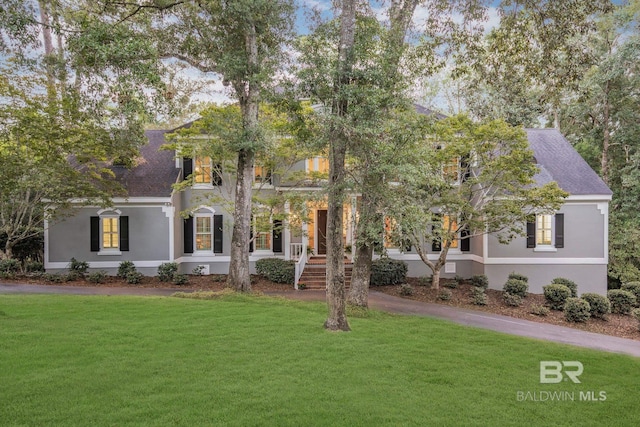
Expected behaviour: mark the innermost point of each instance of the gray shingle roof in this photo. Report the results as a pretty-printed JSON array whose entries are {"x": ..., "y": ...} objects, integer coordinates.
[
  {"x": 560, "y": 162},
  {"x": 155, "y": 172}
]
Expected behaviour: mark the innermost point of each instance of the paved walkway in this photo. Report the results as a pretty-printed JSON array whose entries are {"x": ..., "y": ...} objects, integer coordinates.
[{"x": 381, "y": 301}]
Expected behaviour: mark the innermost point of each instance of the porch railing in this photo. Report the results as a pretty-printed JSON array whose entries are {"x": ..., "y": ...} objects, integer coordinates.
[{"x": 299, "y": 254}]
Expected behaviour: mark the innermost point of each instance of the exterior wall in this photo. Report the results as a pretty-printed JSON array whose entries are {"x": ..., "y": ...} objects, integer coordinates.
[
  {"x": 150, "y": 239},
  {"x": 462, "y": 264},
  {"x": 583, "y": 258},
  {"x": 589, "y": 278}
]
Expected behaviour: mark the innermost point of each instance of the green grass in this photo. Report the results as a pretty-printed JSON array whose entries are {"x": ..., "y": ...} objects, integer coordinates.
[{"x": 80, "y": 361}]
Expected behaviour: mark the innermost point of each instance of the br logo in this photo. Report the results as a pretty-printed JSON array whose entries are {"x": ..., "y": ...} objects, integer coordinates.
[{"x": 553, "y": 372}]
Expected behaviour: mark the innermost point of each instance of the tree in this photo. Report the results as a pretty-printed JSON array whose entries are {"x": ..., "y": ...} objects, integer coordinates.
[
  {"x": 242, "y": 42},
  {"x": 470, "y": 179},
  {"x": 64, "y": 117}
]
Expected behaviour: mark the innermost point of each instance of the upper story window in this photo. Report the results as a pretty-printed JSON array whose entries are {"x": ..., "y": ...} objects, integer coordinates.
[
  {"x": 202, "y": 170},
  {"x": 451, "y": 170},
  {"x": 318, "y": 164},
  {"x": 389, "y": 228},
  {"x": 262, "y": 174}
]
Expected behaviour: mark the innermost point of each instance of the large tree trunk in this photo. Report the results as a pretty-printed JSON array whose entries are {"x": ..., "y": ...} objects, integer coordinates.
[
  {"x": 337, "y": 317},
  {"x": 400, "y": 15},
  {"x": 363, "y": 251},
  {"x": 248, "y": 95}
]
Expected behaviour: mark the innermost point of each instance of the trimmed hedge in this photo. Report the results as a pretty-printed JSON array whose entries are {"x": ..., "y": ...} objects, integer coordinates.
[
  {"x": 478, "y": 296},
  {"x": 480, "y": 281},
  {"x": 600, "y": 305},
  {"x": 621, "y": 301},
  {"x": 387, "y": 271},
  {"x": 569, "y": 284},
  {"x": 556, "y": 295},
  {"x": 518, "y": 276},
  {"x": 515, "y": 286},
  {"x": 277, "y": 270},
  {"x": 577, "y": 310},
  {"x": 634, "y": 288},
  {"x": 512, "y": 300},
  {"x": 167, "y": 271}
]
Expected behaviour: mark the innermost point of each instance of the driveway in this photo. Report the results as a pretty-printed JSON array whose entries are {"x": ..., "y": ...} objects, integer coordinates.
[{"x": 391, "y": 304}]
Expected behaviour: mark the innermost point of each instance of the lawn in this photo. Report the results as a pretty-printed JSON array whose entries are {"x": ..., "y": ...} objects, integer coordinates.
[{"x": 98, "y": 360}]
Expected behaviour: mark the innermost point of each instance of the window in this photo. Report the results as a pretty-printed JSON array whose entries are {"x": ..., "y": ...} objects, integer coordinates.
[
  {"x": 449, "y": 225},
  {"x": 318, "y": 164},
  {"x": 389, "y": 228},
  {"x": 204, "y": 233},
  {"x": 262, "y": 174},
  {"x": 451, "y": 170},
  {"x": 546, "y": 232},
  {"x": 266, "y": 235},
  {"x": 109, "y": 232},
  {"x": 202, "y": 170}
]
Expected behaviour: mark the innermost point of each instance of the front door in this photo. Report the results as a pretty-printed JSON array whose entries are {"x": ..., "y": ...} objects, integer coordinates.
[{"x": 321, "y": 231}]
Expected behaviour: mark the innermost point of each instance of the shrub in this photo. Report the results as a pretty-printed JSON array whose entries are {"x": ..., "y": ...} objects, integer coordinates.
[
  {"x": 134, "y": 277},
  {"x": 72, "y": 275},
  {"x": 444, "y": 295},
  {"x": 539, "y": 310},
  {"x": 516, "y": 287},
  {"x": 167, "y": 270},
  {"x": 511, "y": 299},
  {"x": 577, "y": 310},
  {"x": 556, "y": 295},
  {"x": 406, "y": 289},
  {"x": 54, "y": 278},
  {"x": 387, "y": 271},
  {"x": 600, "y": 305},
  {"x": 97, "y": 276},
  {"x": 634, "y": 288},
  {"x": 277, "y": 270},
  {"x": 425, "y": 281},
  {"x": 7, "y": 275},
  {"x": 180, "y": 279},
  {"x": 125, "y": 268},
  {"x": 198, "y": 270},
  {"x": 518, "y": 276},
  {"x": 480, "y": 281},
  {"x": 79, "y": 267},
  {"x": 621, "y": 301},
  {"x": 220, "y": 277},
  {"x": 302, "y": 286},
  {"x": 569, "y": 284},
  {"x": 478, "y": 296},
  {"x": 9, "y": 265},
  {"x": 636, "y": 313},
  {"x": 33, "y": 266},
  {"x": 451, "y": 284}
]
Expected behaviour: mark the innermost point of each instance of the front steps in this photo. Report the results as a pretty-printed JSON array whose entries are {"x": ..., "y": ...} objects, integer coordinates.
[{"x": 314, "y": 275}]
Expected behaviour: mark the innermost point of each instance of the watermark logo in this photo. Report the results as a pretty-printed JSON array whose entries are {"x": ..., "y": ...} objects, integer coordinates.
[{"x": 553, "y": 371}]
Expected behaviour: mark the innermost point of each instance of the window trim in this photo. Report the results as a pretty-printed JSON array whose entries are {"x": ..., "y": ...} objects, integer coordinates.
[
  {"x": 110, "y": 214},
  {"x": 209, "y": 216},
  {"x": 532, "y": 233}
]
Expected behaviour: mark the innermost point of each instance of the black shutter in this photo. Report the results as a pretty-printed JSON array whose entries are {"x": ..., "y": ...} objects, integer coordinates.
[
  {"x": 531, "y": 234},
  {"x": 188, "y": 235},
  {"x": 559, "y": 230},
  {"x": 216, "y": 175},
  {"x": 95, "y": 234},
  {"x": 251, "y": 235},
  {"x": 277, "y": 235},
  {"x": 124, "y": 233},
  {"x": 465, "y": 169},
  {"x": 187, "y": 167},
  {"x": 465, "y": 240},
  {"x": 436, "y": 245},
  {"x": 217, "y": 234}
]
